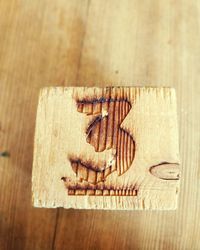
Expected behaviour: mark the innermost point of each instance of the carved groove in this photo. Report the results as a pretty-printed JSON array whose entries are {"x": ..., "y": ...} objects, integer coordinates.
[
  {"x": 86, "y": 188},
  {"x": 166, "y": 171},
  {"x": 104, "y": 192}
]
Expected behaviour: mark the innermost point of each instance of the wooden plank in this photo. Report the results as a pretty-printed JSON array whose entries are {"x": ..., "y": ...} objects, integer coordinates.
[
  {"x": 75, "y": 165},
  {"x": 96, "y": 42},
  {"x": 34, "y": 41}
]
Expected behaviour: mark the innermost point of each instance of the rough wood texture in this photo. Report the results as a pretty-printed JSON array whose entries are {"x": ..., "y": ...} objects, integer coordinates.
[
  {"x": 152, "y": 43},
  {"x": 106, "y": 148}
]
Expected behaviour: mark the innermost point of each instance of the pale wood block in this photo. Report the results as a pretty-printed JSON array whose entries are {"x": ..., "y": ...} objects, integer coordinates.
[{"x": 106, "y": 148}]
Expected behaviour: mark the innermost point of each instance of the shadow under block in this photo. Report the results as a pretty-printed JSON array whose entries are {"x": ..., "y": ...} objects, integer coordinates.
[{"x": 106, "y": 148}]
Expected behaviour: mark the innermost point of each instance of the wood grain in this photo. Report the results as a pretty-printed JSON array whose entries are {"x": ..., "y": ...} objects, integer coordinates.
[
  {"x": 72, "y": 157},
  {"x": 46, "y": 43}
]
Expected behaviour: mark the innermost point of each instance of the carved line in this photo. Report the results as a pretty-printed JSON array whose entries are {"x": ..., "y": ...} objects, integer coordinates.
[
  {"x": 166, "y": 171},
  {"x": 104, "y": 192}
]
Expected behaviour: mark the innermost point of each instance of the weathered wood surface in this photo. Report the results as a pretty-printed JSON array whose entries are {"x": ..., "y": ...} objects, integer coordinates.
[
  {"x": 106, "y": 148},
  {"x": 49, "y": 43}
]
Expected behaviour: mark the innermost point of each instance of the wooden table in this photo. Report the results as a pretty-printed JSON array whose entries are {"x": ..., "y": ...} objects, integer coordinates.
[{"x": 99, "y": 43}]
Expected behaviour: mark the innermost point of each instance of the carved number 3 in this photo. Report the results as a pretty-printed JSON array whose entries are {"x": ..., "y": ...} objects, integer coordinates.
[{"x": 104, "y": 133}]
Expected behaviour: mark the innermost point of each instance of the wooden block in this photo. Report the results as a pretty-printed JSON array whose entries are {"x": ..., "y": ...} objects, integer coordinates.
[{"x": 106, "y": 148}]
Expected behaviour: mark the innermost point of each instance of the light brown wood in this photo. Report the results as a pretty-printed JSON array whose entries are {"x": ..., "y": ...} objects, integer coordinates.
[
  {"x": 106, "y": 148},
  {"x": 107, "y": 42}
]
